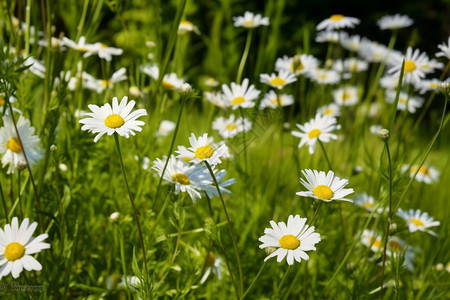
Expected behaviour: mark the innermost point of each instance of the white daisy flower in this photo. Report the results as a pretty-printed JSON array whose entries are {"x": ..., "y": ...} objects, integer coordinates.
[
  {"x": 331, "y": 110},
  {"x": 165, "y": 127},
  {"x": 324, "y": 76},
  {"x": 396, "y": 245},
  {"x": 80, "y": 46},
  {"x": 186, "y": 178},
  {"x": 337, "y": 22},
  {"x": 214, "y": 265},
  {"x": 418, "y": 220},
  {"x": 428, "y": 85},
  {"x": 211, "y": 189},
  {"x": 367, "y": 202},
  {"x": 327, "y": 37},
  {"x": 405, "y": 101},
  {"x": 299, "y": 64},
  {"x": 54, "y": 43},
  {"x": 292, "y": 240},
  {"x": 326, "y": 187},
  {"x": 350, "y": 65},
  {"x": 318, "y": 128},
  {"x": 394, "y": 22},
  {"x": 346, "y": 96},
  {"x": 413, "y": 61},
  {"x": 445, "y": 50},
  {"x": 10, "y": 147},
  {"x": 103, "y": 51},
  {"x": 99, "y": 85},
  {"x": 211, "y": 82},
  {"x": 373, "y": 51},
  {"x": 374, "y": 129},
  {"x": 389, "y": 82},
  {"x": 350, "y": 42},
  {"x": 202, "y": 150},
  {"x": 250, "y": 20},
  {"x": 428, "y": 66},
  {"x": 240, "y": 95},
  {"x": 278, "y": 81},
  {"x": 169, "y": 81},
  {"x": 216, "y": 98},
  {"x": 187, "y": 26},
  {"x": 231, "y": 127},
  {"x": 427, "y": 174},
  {"x": 36, "y": 67},
  {"x": 118, "y": 118},
  {"x": 271, "y": 100},
  {"x": 16, "y": 247},
  {"x": 372, "y": 240}
]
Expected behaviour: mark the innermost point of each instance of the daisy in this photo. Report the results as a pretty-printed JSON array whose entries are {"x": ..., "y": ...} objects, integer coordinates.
[
  {"x": 187, "y": 26},
  {"x": 395, "y": 246},
  {"x": 318, "y": 128},
  {"x": 405, "y": 101},
  {"x": 337, "y": 22},
  {"x": 326, "y": 187},
  {"x": 103, "y": 51},
  {"x": 169, "y": 81},
  {"x": 367, "y": 202},
  {"x": 327, "y": 37},
  {"x": 202, "y": 150},
  {"x": 350, "y": 42},
  {"x": 371, "y": 239},
  {"x": 372, "y": 51},
  {"x": 10, "y": 147},
  {"x": 412, "y": 70},
  {"x": 216, "y": 98},
  {"x": 214, "y": 265},
  {"x": 99, "y": 85},
  {"x": 351, "y": 65},
  {"x": 445, "y": 50},
  {"x": 165, "y": 127},
  {"x": 428, "y": 66},
  {"x": 240, "y": 95},
  {"x": 323, "y": 76},
  {"x": 16, "y": 247},
  {"x": 389, "y": 82},
  {"x": 291, "y": 240},
  {"x": 250, "y": 20},
  {"x": 231, "y": 127},
  {"x": 36, "y": 67},
  {"x": 278, "y": 81},
  {"x": 186, "y": 178},
  {"x": 211, "y": 189},
  {"x": 299, "y": 64},
  {"x": 211, "y": 82},
  {"x": 427, "y": 174},
  {"x": 394, "y": 22},
  {"x": 331, "y": 110},
  {"x": 272, "y": 100},
  {"x": 118, "y": 118},
  {"x": 80, "y": 46},
  {"x": 428, "y": 85},
  {"x": 418, "y": 221},
  {"x": 375, "y": 129},
  {"x": 54, "y": 43},
  {"x": 346, "y": 96}
]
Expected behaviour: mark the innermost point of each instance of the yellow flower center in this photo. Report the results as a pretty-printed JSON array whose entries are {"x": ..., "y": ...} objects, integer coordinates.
[
  {"x": 186, "y": 23},
  {"x": 168, "y": 85},
  {"x": 328, "y": 111},
  {"x": 2, "y": 100},
  {"x": 322, "y": 76},
  {"x": 114, "y": 121},
  {"x": 433, "y": 85},
  {"x": 210, "y": 258},
  {"x": 409, "y": 66},
  {"x": 248, "y": 23},
  {"x": 181, "y": 178},
  {"x": 289, "y": 242},
  {"x": 105, "y": 82},
  {"x": 368, "y": 204},
  {"x": 314, "y": 133},
  {"x": 237, "y": 100},
  {"x": 103, "y": 46},
  {"x": 277, "y": 81},
  {"x": 346, "y": 96},
  {"x": 81, "y": 49},
  {"x": 231, "y": 127},
  {"x": 186, "y": 159},
  {"x": 395, "y": 246},
  {"x": 14, "y": 251},
  {"x": 417, "y": 222},
  {"x": 13, "y": 144},
  {"x": 425, "y": 66},
  {"x": 276, "y": 100},
  {"x": 323, "y": 192},
  {"x": 336, "y": 18},
  {"x": 375, "y": 242},
  {"x": 422, "y": 170},
  {"x": 204, "y": 152},
  {"x": 402, "y": 100}
]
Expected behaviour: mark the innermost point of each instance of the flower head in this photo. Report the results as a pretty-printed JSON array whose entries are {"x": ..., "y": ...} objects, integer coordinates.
[
  {"x": 331, "y": 110},
  {"x": 394, "y": 22},
  {"x": 346, "y": 96},
  {"x": 118, "y": 118},
  {"x": 278, "y": 81},
  {"x": 202, "y": 150},
  {"x": 413, "y": 71},
  {"x": 291, "y": 240},
  {"x": 405, "y": 102},
  {"x": 298, "y": 64},
  {"x": 250, "y": 20},
  {"x": 326, "y": 187},
  {"x": 165, "y": 127},
  {"x": 445, "y": 50},
  {"x": 337, "y": 22},
  {"x": 425, "y": 173},
  {"x": 418, "y": 220},
  {"x": 372, "y": 239},
  {"x": 230, "y": 127},
  {"x": 240, "y": 95},
  {"x": 367, "y": 202},
  {"x": 272, "y": 100},
  {"x": 16, "y": 247}
]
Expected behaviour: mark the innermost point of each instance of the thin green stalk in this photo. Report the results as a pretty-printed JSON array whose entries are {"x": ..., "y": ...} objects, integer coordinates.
[
  {"x": 18, "y": 194},
  {"x": 122, "y": 258},
  {"x": 245, "y": 142},
  {"x": 82, "y": 19},
  {"x": 130, "y": 196},
  {"x": 230, "y": 227},
  {"x": 4, "y": 202},
  {"x": 311, "y": 220},
  {"x": 253, "y": 281},
  {"x": 244, "y": 56},
  {"x": 325, "y": 154},
  {"x": 278, "y": 288},
  {"x": 397, "y": 95},
  {"x": 27, "y": 29}
]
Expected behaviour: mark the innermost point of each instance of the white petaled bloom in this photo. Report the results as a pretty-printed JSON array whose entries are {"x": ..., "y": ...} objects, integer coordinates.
[
  {"x": 230, "y": 127},
  {"x": 165, "y": 127},
  {"x": 428, "y": 66},
  {"x": 326, "y": 187},
  {"x": 404, "y": 101},
  {"x": 327, "y": 37},
  {"x": 17, "y": 246},
  {"x": 278, "y": 81},
  {"x": 331, "y": 110},
  {"x": 291, "y": 240},
  {"x": 214, "y": 265},
  {"x": 324, "y": 76},
  {"x": 372, "y": 51},
  {"x": 318, "y": 128},
  {"x": 103, "y": 51},
  {"x": 445, "y": 50},
  {"x": 428, "y": 85},
  {"x": 169, "y": 81},
  {"x": 389, "y": 82},
  {"x": 425, "y": 173},
  {"x": 211, "y": 82},
  {"x": 372, "y": 239},
  {"x": 216, "y": 98},
  {"x": 346, "y": 96},
  {"x": 351, "y": 65},
  {"x": 272, "y": 100},
  {"x": 187, "y": 26},
  {"x": 186, "y": 178},
  {"x": 250, "y": 20},
  {"x": 118, "y": 118},
  {"x": 394, "y": 22},
  {"x": 202, "y": 150},
  {"x": 12, "y": 149},
  {"x": 36, "y": 67},
  {"x": 99, "y": 85},
  {"x": 375, "y": 129},
  {"x": 337, "y": 22},
  {"x": 132, "y": 282},
  {"x": 211, "y": 189},
  {"x": 413, "y": 61},
  {"x": 54, "y": 43},
  {"x": 80, "y": 46},
  {"x": 350, "y": 42},
  {"x": 240, "y": 95},
  {"x": 418, "y": 220},
  {"x": 299, "y": 64},
  {"x": 395, "y": 246},
  {"x": 367, "y": 202}
]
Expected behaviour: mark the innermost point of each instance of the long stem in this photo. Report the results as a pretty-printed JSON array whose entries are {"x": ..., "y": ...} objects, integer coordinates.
[
  {"x": 315, "y": 213},
  {"x": 122, "y": 256},
  {"x": 244, "y": 56},
  {"x": 4, "y": 203},
  {"x": 277, "y": 289},
  {"x": 254, "y": 280},
  {"x": 245, "y": 141},
  {"x": 230, "y": 227},
  {"x": 136, "y": 218},
  {"x": 389, "y": 217},
  {"x": 325, "y": 154}
]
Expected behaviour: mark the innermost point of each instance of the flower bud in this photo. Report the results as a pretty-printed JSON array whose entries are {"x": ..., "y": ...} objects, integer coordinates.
[
  {"x": 185, "y": 89},
  {"x": 384, "y": 135},
  {"x": 114, "y": 217}
]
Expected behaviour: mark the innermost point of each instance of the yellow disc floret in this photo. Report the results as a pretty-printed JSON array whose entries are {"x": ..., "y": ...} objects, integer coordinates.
[
  {"x": 14, "y": 251},
  {"x": 13, "y": 144},
  {"x": 417, "y": 222},
  {"x": 231, "y": 127},
  {"x": 314, "y": 133},
  {"x": 168, "y": 85},
  {"x": 395, "y": 246},
  {"x": 289, "y": 242},
  {"x": 409, "y": 66},
  {"x": 323, "y": 192},
  {"x": 204, "y": 152},
  {"x": 277, "y": 81},
  {"x": 336, "y": 17},
  {"x": 237, "y": 100},
  {"x": 181, "y": 178},
  {"x": 114, "y": 121}
]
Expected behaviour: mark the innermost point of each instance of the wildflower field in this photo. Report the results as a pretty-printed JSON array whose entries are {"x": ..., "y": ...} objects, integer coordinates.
[{"x": 214, "y": 150}]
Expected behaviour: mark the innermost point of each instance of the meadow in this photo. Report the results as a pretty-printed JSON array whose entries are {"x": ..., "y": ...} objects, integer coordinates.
[{"x": 202, "y": 151}]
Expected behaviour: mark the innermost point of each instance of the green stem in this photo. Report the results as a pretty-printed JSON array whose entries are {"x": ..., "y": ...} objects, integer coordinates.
[
  {"x": 245, "y": 142},
  {"x": 4, "y": 203},
  {"x": 244, "y": 56},
  {"x": 230, "y": 227},
  {"x": 27, "y": 29},
  {"x": 130, "y": 196},
  {"x": 315, "y": 213},
  {"x": 277, "y": 289},
  {"x": 254, "y": 280},
  {"x": 325, "y": 154},
  {"x": 82, "y": 20},
  {"x": 122, "y": 258}
]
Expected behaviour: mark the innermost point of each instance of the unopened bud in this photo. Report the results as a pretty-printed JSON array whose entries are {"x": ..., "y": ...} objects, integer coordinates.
[
  {"x": 53, "y": 148},
  {"x": 384, "y": 135},
  {"x": 185, "y": 89},
  {"x": 269, "y": 250},
  {"x": 21, "y": 165},
  {"x": 114, "y": 217},
  {"x": 444, "y": 87}
]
